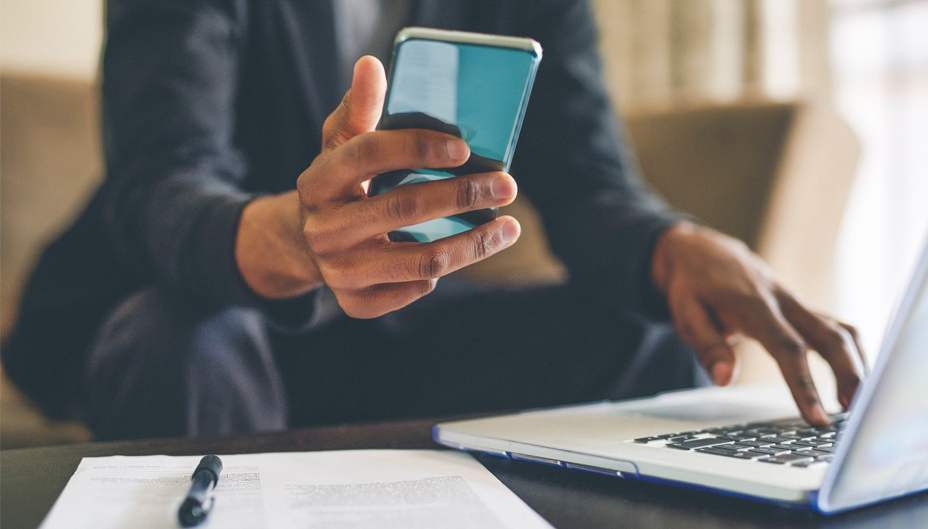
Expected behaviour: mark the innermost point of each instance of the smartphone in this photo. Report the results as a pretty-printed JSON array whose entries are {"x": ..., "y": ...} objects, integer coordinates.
[{"x": 472, "y": 85}]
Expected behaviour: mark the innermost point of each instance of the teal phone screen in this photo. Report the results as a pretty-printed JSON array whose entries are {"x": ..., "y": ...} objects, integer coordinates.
[{"x": 476, "y": 92}]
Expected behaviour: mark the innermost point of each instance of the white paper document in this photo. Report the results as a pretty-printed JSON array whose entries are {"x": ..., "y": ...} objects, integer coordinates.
[{"x": 353, "y": 489}]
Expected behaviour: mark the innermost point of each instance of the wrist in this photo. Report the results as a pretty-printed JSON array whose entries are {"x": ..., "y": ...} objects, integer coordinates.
[
  {"x": 270, "y": 250},
  {"x": 662, "y": 259}
]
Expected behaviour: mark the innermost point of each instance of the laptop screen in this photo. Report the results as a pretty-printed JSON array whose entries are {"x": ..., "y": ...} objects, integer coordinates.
[{"x": 888, "y": 455}]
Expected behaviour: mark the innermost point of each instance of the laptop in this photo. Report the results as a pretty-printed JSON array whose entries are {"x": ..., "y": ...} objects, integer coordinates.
[{"x": 746, "y": 440}]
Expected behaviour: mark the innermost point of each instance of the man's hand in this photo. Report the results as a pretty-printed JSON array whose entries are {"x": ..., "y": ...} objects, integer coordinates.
[
  {"x": 331, "y": 232},
  {"x": 717, "y": 289}
]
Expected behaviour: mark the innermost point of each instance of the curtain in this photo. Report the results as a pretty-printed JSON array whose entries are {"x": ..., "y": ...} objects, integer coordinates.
[
  {"x": 666, "y": 52},
  {"x": 879, "y": 52},
  {"x": 866, "y": 58}
]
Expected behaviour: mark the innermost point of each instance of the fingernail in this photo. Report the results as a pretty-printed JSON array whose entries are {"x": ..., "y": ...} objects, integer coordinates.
[
  {"x": 510, "y": 231},
  {"x": 721, "y": 373},
  {"x": 819, "y": 414},
  {"x": 502, "y": 187},
  {"x": 456, "y": 149}
]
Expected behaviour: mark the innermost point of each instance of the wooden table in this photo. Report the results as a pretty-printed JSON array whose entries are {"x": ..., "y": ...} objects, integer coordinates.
[{"x": 32, "y": 478}]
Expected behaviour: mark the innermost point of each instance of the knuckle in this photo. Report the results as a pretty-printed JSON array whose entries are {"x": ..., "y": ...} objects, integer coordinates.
[
  {"x": 851, "y": 379},
  {"x": 805, "y": 382},
  {"x": 483, "y": 245},
  {"x": 340, "y": 274},
  {"x": 361, "y": 312},
  {"x": 792, "y": 347},
  {"x": 403, "y": 207},
  {"x": 419, "y": 146},
  {"x": 362, "y": 305},
  {"x": 351, "y": 312},
  {"x": 360, "y": 153},
  {"x": 313, "y": 239},
  {"x": 321, "y": 239},
  {"x": 468, "y": 194},
  {"x": 751, "y": 301},
  {"x": 423, "y": 288},
  {"x": 433, "y": 264},
  {"x": 350, "y": 305},
  {"x": 852, "y": 331},
  {"x": 834, "y": 341},
  {"x": 336, "y": 280},
  {"x": 686, "y": 330}
]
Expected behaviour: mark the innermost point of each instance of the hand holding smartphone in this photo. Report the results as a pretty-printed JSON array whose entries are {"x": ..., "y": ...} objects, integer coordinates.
[{"x": 471, "y": 85}]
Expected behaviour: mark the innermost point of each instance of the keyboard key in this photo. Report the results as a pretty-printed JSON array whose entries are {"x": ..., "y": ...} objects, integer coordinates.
[
  {"x": 738, "y": 437},
  {"x": 811, "y": 453},
  {"x": 737, "y": 447},
  {"x": 680, "y": 438},
  {"x": 794, "y": 437},
  {"x": 786, "y": 458},
  {"x": 783, "y": 428},
  {"x": 757, "y": 444},
  {"x": 755, "y": 425},
  {"x": 777, "y": 440},
  {"x": 732, "y": 430},
  {"x": 812, "y": 442},
  {"x": 730, "y": 453},
  {"x": 699, "y": 443},
  {"x": 770, "y": 451},
  {"x": 789, "y": 447},
  {"x": 645, "y": 440},
  {"x": 760, "y": 432},
  {"x": 714, "y": 431},
  {"x": 805, "y": 464}
]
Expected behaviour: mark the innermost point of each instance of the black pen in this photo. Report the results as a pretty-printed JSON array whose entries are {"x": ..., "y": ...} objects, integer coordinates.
[{"x": 193, "y": 511}]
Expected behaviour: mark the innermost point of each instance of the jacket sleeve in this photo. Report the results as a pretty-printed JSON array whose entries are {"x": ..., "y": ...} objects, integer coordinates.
[
  {"x": 573, "y": 163},
  {"x": 174, "y": 189}
]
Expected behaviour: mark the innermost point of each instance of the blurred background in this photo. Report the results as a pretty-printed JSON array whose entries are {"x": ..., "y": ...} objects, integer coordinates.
[{"x": 800, "y": 126}]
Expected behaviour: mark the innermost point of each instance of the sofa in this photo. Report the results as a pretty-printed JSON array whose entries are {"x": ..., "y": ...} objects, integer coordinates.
[{"x": 774, "y": 174}]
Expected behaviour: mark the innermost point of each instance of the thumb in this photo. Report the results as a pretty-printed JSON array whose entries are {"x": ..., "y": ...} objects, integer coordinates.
[
  {"x": 362, "y": 105},
  {"x": 697, "y": 328}
]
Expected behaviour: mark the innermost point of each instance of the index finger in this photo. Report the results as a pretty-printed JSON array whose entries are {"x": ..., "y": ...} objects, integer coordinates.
[
  {"x": 831, "y": 342},
  {"x": 406, "y": 261},
  {"x": 368, "y": 155},
  {"x": 767, "y": 324}
]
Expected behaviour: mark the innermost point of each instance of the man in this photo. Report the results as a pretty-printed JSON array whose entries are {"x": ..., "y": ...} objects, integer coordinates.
[{"x": 241, "y": 303}]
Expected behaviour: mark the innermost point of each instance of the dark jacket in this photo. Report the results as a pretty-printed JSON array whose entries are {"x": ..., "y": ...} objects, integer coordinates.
[{"x": 209, "y": 103}]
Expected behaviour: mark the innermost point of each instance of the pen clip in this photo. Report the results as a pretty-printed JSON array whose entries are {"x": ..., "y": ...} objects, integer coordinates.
[{"x": 210, "y": 500}]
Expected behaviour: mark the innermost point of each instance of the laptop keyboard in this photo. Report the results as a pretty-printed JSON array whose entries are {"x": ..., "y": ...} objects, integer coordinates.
[{"x": 790, "y": 442}]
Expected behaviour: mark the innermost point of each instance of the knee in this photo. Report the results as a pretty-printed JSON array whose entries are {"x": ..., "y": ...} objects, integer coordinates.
[
  {"x": 139, "y": 332},
  {"x": 143, "y": 371}
]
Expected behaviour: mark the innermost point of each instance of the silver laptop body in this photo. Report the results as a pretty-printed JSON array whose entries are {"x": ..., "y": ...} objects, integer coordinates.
[{"x": 879, "y": 451}]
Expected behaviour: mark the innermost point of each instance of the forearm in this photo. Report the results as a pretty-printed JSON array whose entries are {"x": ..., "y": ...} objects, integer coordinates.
[
  {"x": 174, "y": 195},
  {"x": 270, "y": 249},
  {"x": 612, "y": 261},
  {"x": 573, "y": 162}
]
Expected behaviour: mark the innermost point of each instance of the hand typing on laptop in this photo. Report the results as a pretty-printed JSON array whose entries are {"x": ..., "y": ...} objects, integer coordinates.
[{"x": 717, "y": 289}]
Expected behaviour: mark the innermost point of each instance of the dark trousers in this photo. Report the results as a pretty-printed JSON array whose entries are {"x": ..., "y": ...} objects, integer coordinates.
[{"x": 161, "y": 368}]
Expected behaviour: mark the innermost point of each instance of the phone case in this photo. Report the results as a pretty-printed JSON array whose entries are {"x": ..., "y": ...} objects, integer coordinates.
[{"x": 461, "y": 57}]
